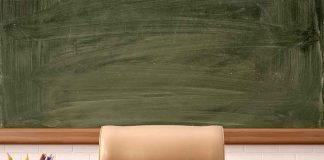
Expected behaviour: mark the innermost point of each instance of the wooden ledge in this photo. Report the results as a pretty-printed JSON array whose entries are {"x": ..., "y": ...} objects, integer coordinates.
[
  {"x": 274, "y": 136},
  {"x": 91, "y": 136}
]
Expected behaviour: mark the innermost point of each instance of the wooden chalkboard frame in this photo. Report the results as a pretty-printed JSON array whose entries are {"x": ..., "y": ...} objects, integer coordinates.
[{"x": 91, "y": 136}]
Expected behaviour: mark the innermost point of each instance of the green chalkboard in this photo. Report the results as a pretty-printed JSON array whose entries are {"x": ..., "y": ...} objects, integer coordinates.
[{"x": 87, "y": 63}]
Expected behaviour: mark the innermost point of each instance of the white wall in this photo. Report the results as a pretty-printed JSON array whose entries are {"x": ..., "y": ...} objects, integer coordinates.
[
  {"x": 233, "y": 152},
  {"x": 274, "y": 152}
]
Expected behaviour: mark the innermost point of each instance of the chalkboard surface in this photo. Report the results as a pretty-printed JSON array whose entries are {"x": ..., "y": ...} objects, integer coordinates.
[{"x": 87, "y": 63}]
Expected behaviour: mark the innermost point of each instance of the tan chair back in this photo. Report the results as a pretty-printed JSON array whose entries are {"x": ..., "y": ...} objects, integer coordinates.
[{"x": 161, "y": 142}]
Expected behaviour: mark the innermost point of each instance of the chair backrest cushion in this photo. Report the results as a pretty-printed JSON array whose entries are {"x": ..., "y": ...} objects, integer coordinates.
[{"x": 161, "y": 142}]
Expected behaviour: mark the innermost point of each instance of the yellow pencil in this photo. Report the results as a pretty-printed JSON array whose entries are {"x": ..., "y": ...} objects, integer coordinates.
[
  {"x": 27, "y": 158},
  {"x": 9, "y": 157}
]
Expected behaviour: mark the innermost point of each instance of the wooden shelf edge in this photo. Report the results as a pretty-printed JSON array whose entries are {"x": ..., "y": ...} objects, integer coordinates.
[
  {"x": 274, "y": 136},
  {"x": 91, "y": 136}
]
